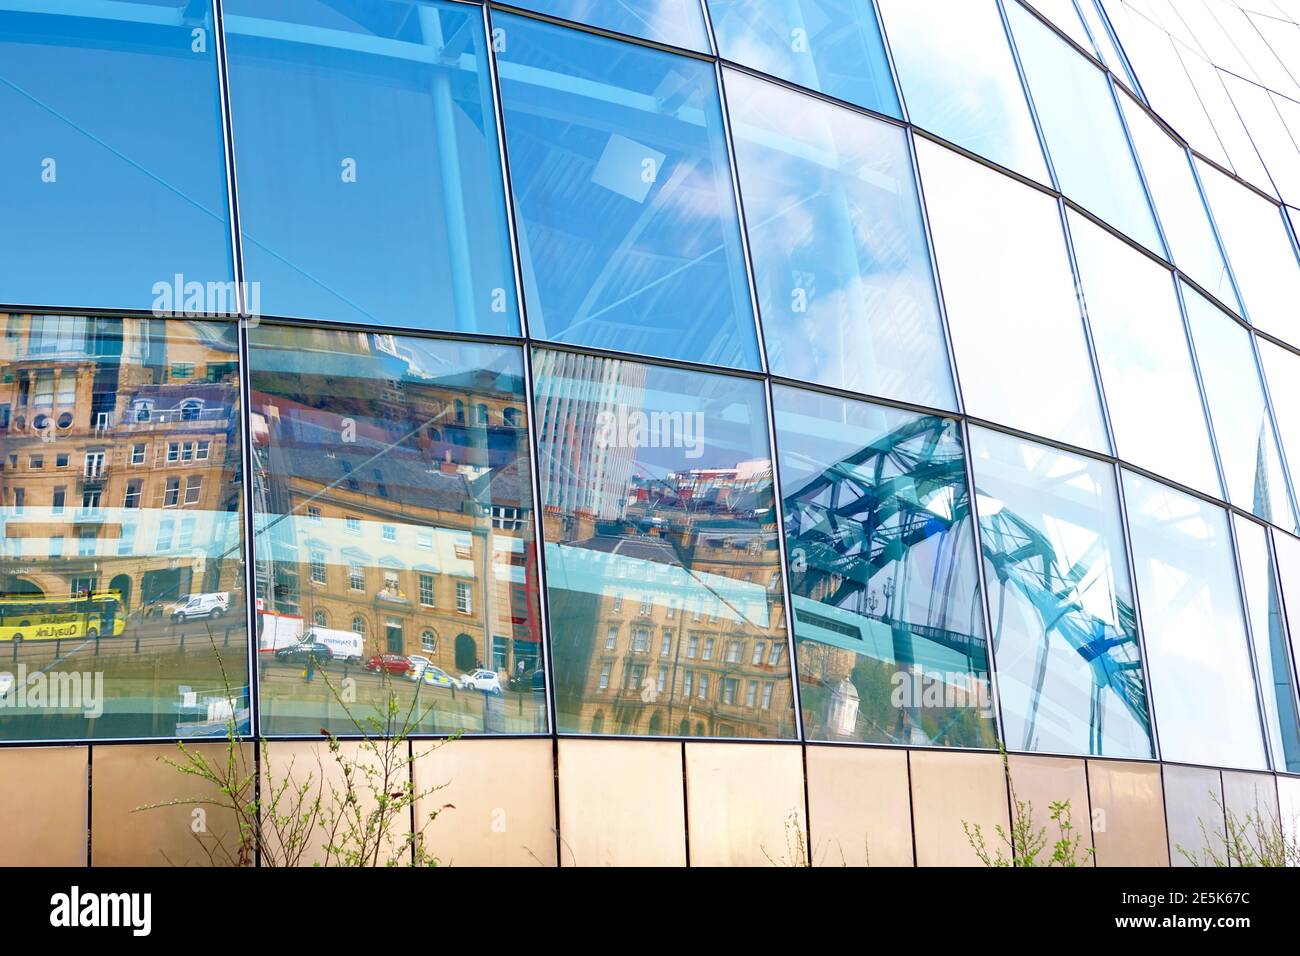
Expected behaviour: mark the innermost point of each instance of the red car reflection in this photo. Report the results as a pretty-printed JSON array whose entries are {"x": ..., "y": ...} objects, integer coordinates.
[{"x": 389, "y": 663}]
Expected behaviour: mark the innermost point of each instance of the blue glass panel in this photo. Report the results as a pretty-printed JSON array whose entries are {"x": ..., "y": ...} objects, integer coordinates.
[
  {"x": 1198, "y": 658},
  {"x": 960, "y": 81},
  {"x": 888, "y": 623},
  {"x": 1272, "y": 657},
  {"x": 112, "y": 170},
  {"x": 831, "y": 46},
  {"x": 393, "y": 533},
  {"x": 1085, "y": 137},
  {"x": 1065, "y": 638},
  {"x": 370, "y": 182},
  {"x": 627, "y": 215},
  {"x": 675, "y": 22},
  {"x": 840, "y": 257},
  {"x": 662, "y": 557},
  {"x": 122, "y": 607}
]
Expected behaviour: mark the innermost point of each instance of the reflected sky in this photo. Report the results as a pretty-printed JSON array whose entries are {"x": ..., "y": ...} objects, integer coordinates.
[
  {"x": 1146, "y": 367},
  {"x": 627, "y": 219},
  {"x": 960, "y": 81},
  {"x": 1202, "y": 684},
  {"x": 840, "y": 256},
  {"x": 1243, "y": 426},
  {"x": 675, "y": 22},
  {"x": 369, "y": 174},
  {"x": 1090, "y": 151},
  {"x": 1017, "y": 331},
  {"x": 831, "y": 46},
  {"x": 112, "y": 176}
]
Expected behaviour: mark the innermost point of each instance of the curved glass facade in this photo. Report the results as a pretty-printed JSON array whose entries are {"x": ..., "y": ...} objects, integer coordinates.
[{"x": 909, "y": 374}]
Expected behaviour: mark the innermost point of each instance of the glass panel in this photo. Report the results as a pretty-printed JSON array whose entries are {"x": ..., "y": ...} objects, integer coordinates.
[
  {"x": 675, "y": 22},
  {"x": 1178, "y": 201},
  {"x": 1164, "y": 80},
  {"x": 121, "y": 559},
  {"x": 369, "y": 173},
  {"x": 840, "y": 257},
  {"x": 1227, "y": 123},
  {"x": 1288, "y": 565},
  {"x": 1202, "y": 684},
  {"x": 1259, "y": 248},
  {"x": 1016, "y": 329},
  {"x": 1268, "y": 133},
  {"x": 887, "y": 617},
  {"x": 1282, "y": 372},
  {"x": 1272, "y": 661},
  {"x": 113, "y": 165},
  {"x": 1146, "y": 368},
  {"x": 831, "y": 46},
  {"x": 626, "y": 209},
  {"x": 959, "y": 79},
  {"x": 1066, "y": 18},
  {"x": 1090, "y": 152},
  {"x": 1105, "y": 45},
  {"x": 1243, "y": 427},
  {"x": 1065, "y": 639},
  {"x": 662, "y": 564},
  {"x": 394, "y": 532}
]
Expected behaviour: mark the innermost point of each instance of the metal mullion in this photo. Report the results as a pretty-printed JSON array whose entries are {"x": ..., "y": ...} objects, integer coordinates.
[
  {"x": 1139, "y": 624},
  {"x": 1029, "y": 96},
  {"x": 1261, "y": 708},
  {"x": 995, "y": 696}
]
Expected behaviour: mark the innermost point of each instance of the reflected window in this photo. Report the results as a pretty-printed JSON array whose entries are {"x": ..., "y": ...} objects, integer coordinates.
[
  {"x": 114, "y": 171},
  {"x": 338, "y": 416},
  {"x": 1198, "y": 660},
  {"x": 840, "y": 256},
  {"x": 831, "y": 46},
  {"x": 1146, "y": 366},
  {"x": 657, "y": 482},
  {"x": 370, "y": 178},
  {"x": 1243, "y": 425},
  {"x": 959, "y": 79},
  {"x": 1065, "y": 637},
  {"x": 136, "y": 610},
  {"x": 1268, "y": 632},
  {"x": 1085, "y": 137},
  {"x": 627, "y": 219},
  {"x": 674, "y": 22},
  {"x": 888, "y": 624},
  {"x": 1017, "y": 332}
]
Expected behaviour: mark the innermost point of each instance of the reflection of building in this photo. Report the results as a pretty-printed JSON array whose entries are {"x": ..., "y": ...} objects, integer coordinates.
[
  {"x": 393, "y": 501},
  {"x": 584, "y": 472},
  {"x": 120, "y": 453},
  {"x": 671, "y": 620}
]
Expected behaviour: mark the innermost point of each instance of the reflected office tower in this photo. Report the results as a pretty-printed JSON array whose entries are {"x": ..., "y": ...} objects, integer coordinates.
[
  {"x": 121, "y": 516},
  {"x": 583, "y": 475}
]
